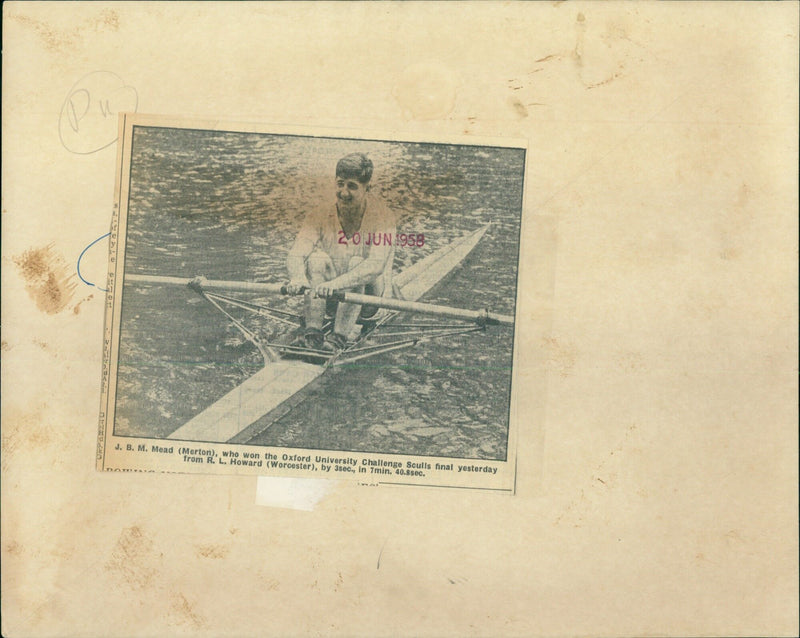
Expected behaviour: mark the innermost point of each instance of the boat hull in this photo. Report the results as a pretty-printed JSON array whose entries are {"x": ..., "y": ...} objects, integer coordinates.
[{"x": 249, "y": 402}]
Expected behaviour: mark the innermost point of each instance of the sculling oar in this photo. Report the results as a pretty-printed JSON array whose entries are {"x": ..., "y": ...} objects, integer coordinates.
[
  {"x": 211, "y": 284},
  {"x": 480, "y": 317}
]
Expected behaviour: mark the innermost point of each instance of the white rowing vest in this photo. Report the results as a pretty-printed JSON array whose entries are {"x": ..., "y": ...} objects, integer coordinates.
[{"x": 377, "y": 234}]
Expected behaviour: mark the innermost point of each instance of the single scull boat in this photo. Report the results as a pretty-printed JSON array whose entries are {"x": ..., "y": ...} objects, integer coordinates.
[{"x": 282, "y": 383}]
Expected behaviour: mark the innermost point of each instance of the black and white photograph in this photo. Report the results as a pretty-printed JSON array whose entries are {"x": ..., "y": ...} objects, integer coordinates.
[{"x": 318, "y": 293}]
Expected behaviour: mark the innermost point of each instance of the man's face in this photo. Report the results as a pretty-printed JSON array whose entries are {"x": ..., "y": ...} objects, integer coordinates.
[{"x": 350, "y": 193}]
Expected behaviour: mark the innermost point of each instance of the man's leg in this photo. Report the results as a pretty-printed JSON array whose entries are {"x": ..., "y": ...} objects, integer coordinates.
[
  {"x": 375, "y": 289},
  {"x": 344, "y": 326},
  {"x": 319, "y": 268}
]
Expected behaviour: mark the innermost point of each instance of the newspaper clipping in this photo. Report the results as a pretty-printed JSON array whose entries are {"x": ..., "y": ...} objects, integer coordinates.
[{"x": 308, "y": 303}]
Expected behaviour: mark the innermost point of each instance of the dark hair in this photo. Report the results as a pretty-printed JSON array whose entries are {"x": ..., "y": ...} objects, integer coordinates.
[{"x": 355, "y": 166}]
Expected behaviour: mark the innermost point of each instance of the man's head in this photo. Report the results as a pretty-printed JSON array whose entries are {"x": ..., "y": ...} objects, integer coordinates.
[
  {"x": 353, "y": 173},
  {"x": 355, "y": 166}
]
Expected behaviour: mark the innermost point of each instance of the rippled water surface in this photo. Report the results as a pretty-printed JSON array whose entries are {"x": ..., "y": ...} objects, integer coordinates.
[{"x": 228, "y": 205}]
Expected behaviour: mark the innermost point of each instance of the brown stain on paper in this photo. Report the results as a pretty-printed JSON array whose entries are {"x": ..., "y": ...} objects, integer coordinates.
[
  {"x": 23, "y": 432},
  {"x": 134, "y": 559},
  {"x": 604, "y": 479},
  {"x": 560, "y": 357},
  {"x": 49, "y": 281},
  {"x": 608, "y": 80},
  {"x": 62, "y": 41},
  {"x": 587, "y": 65},
  {"x": 426, "y": 91},
  {"x": 580, "y": 30},
  {"x": 212, "y": 551},
  {"x": 185, "y": 613},
  {"x": 519, "y": 108},
  {"x": 77, "y": 307},
  {"x": 43, "y": 345},
  {"x": 735, "y": 222},
  {"x": 630, "y": 362}
]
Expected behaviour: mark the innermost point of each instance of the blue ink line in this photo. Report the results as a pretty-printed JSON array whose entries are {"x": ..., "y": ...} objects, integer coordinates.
[{"x": 83, "y": 252}]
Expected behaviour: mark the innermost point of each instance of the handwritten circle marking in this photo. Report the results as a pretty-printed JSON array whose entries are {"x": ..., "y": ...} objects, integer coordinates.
[{"x": 88, "y": 119}]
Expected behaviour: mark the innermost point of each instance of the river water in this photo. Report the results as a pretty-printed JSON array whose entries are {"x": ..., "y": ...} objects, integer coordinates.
[{"x": 228, "y": 205}]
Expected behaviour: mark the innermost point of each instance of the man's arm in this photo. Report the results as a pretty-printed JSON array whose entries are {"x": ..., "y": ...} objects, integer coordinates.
[
  {"x": 296, "y": 260},
  {"x": 363, "y": 273}
]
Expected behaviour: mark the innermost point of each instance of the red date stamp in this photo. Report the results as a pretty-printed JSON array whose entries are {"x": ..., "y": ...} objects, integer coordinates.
[{"x": 414, "y": 240}]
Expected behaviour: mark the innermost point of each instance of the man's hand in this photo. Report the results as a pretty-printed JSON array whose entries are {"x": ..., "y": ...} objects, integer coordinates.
[
  {"x": 296, "y": 287},
  {"x": 325, "y": 289},
  {"x": 197, "y": 284},
  {"x": 342, "y": 283}
]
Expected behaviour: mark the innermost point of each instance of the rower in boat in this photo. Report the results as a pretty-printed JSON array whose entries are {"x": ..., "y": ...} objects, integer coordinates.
[
  {"x": 270, "y": 393},
  {"x": 337, "y": 250}
]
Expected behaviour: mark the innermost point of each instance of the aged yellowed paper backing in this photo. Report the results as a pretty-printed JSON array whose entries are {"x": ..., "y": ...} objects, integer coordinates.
[{"x": 656, "y": 344}]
